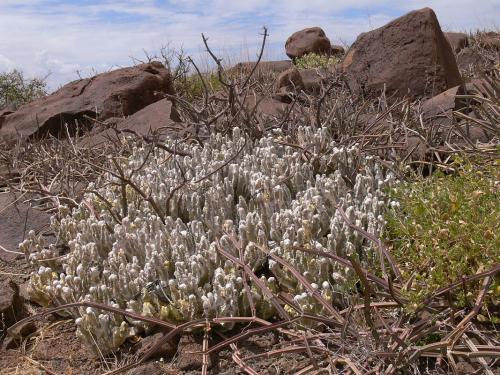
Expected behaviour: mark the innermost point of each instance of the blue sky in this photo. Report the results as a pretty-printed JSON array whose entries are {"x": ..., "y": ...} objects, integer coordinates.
[{"x": 63, "y": 37}]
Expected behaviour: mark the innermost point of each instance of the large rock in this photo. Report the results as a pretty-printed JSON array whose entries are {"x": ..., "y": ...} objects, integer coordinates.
[
  {"x": 314, "y": 78},
  {"x": 287, "y": 84},
  {"x": 458, "y": 41},
  {"x": 156, "y": 118},
  {"x": 118, "y": 93},
  {"x": 265, "y": 107},
  {"x": 337, "y": 50},
  {"x": 409, "y": 55},
  {"x": 311, "y": 40}
]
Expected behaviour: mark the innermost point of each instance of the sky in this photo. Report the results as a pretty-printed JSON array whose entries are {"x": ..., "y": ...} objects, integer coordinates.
[{"x": 67, "y": 39}]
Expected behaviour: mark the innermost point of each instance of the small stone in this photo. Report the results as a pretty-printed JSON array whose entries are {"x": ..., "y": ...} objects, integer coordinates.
[{"x": 187, "y": 359}]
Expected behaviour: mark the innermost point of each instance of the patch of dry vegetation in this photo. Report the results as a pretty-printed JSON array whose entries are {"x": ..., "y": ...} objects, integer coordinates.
[{"x": 398, "y": 320}]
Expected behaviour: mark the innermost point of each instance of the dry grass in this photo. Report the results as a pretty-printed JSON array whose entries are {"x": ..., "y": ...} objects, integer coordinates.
[{"x": 376, "y": 334}]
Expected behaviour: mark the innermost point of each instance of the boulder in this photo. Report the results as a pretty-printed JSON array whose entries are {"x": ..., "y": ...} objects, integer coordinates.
[
  {"x": 151, "y": 119},
  {"x": 118, "y": 93},
  {"x": 458, "y": 41},
  {"x": 266, "y": 106},
  {"x": 288, "y": 83},
  {"x": 409, "y": 55},
  {"x": 337, "y": 50},
  {"x": 314, "y": 78},
  {"x": 311, "y": 40}
]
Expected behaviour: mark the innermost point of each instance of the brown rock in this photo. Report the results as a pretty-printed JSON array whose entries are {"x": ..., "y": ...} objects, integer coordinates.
[
  {"x": 475, "y": 134},
  {"x": 266, "y": 107},
  {"x": 458, "y": 41},
  {"x": 409, "y": 55},
  {"x": 444, "y": 103},
  {"x": 314, "y": 78},
  {"x": 188, "y": 359},
  {"x": 11, "y": 305},
  {"x": 16, "y": 220},
  {"x": 118, "y": 93},
  {"x": 311, "y": 40},
  {"x": 337, "y": 50},
  {"x": 288, "y": 83},
  {"x": 150, "y": 120}
]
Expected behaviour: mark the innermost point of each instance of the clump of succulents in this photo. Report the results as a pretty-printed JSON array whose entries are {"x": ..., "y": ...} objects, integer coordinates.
[
  {"x": 152, "y": 245},
  {"x": 314, "y": 60}
]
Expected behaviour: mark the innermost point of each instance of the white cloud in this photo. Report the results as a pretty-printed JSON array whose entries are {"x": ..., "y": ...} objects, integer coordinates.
[
  {"x": 59, "y": 37},
  {"x": 6, "y": 64}
]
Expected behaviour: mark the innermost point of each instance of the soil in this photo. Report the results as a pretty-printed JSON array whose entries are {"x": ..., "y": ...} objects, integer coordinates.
[{"x": 55, "y": 349}]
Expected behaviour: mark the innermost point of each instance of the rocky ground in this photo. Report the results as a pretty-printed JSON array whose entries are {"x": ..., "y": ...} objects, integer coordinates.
[{"x": 406, "y": 92}]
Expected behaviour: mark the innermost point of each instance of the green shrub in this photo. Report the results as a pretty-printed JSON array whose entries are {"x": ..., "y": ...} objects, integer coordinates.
[
  {"x": 313, "y": 61},
  {"x": 191, "y": 86},
  {"x": 16, "y": 90},
  {"x": 446, "y": 227}
]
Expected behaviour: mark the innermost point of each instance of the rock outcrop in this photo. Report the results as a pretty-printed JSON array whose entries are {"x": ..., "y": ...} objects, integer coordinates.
[
  {"x": 311, "y": 40},
  {"x": 408, "y": 56},
  {"x": 118, "y": 93},
  {"x": 155, "y": 118}
]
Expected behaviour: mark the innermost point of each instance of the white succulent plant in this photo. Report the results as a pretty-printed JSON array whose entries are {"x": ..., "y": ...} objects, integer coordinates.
[{"x": 156, "y": 252}]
